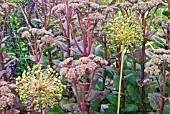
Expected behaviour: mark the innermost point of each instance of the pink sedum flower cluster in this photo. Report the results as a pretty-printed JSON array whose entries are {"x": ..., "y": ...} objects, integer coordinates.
[{"x": 85, "y": 65}]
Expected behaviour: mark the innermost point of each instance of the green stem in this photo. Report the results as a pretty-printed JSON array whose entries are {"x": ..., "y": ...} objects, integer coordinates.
[{"x": 121, "y": 75}]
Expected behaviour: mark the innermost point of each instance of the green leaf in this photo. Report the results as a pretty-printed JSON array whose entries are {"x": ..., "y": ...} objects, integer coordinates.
[
  {"x": 153, "y": 32},
  {"x": 157, "y": 40},
  {"x": 133, "y": 92},
  {"x": 94, "y": 106},
  {"x": 47, "y": 49},
  {"x": 113, "y": 99},
  {"x": 166, "y": 109},
  {"x": 57, "y": 109},
  {"x": 111, "y": 110},
  {"x": 94, "y": 112},
  {"x": 49, "y": 27},
  {"x": 71, "y": 20},
  {"x": 166, "y": 13},
  {"x": 152, "y": 100},
  {"x": 110, "y": 71},
  {"x": 74, "y": 31},
  {"x": 56, "y": 113},
  {"x": 99, "y": 52},
  {"x": 3, "y": 49},
  {"x": 131, "y": 107}
]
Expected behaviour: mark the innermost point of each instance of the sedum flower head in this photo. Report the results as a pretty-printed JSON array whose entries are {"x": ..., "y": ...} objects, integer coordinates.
[
  {"x": 143, "y": 7},
  {"x": 157, "y": 20},
  {"x": 6, "y": 95},
  {"x": 82, "y": 67},
  {"x": 39, "y": 87},
  {"x": 124, "y": 30},
  {"x": 161, "y": 57},
  {"x": 1, "y": 13},
  {"x": 43, "y": 34},
  {"x": 8, "y": 6},
  {"x": 124, "y": 6}
]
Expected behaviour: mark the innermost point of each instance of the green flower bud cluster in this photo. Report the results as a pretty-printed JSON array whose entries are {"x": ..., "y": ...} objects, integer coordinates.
[
  {"x": 124, "y": 30},
  {"x": 14, "y": 1},
  {"x": 40, "y": 87}
]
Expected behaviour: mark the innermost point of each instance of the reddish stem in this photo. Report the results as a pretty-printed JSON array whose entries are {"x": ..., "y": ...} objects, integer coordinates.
[
  {"x": 83, "y": 98},
  {"x": 74, "y": 37},
  {"x": 149, "y": 26},
  {"x": 91, "y": 38},
  {"x": 2, "y": 36},
  {"x": 159, "y": 85},
  {"x": 91, "y": 82},
  {"x": 157, "y": 101},
  {"x": 164, "y": 89},
  {"x": 105, "y": 57},
  {"x": 77, "y": 95},
  {"x": 11, "y": 110},
  {"x": 142, "y": 65},
  {"x": 32, "y": 110},
  {"x": 68, "y": 29},
  {"x": 79, "y": 15},
  {"x": 5, "y": 110}
]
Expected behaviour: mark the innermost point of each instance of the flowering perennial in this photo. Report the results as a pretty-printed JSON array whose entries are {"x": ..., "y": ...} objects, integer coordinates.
[
  {"x": 124, "y": 30},
  {"x": 45, "y": 35},
  {"x": 40, "y": 87},
  {"x": 73, "y": 69},
  {"x": 6, "y": 95},
  {"x": 161, "y": 57}
]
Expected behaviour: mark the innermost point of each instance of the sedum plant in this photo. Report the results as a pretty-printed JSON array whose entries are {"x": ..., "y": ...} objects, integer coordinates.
[
  {"x": 41, "y": 38},
  {"x": 81, "y": 73},
  {"x": 157, "y": 66},
  {"x": 6, "y": 95},
  {"x": 40, "y": 88}
]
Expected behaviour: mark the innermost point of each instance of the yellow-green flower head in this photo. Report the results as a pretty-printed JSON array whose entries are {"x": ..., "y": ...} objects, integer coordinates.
[
  {"x": 13, "y": 1},
  {"x": 39, "y": 87},
  {"x": 124, "y": 30}
]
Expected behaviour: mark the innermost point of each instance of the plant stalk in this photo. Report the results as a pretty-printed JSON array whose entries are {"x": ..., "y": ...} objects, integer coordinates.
[
  {"x": 161, "y": 111},
  {"x": 121, "y": 77},
  {"x": 142, "y": 65}
]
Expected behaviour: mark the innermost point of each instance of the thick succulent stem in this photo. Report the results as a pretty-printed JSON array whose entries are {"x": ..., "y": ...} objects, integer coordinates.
[
  {"x": 105, "y": 57},
  {"x": 168, "y": 32},
  {"x": 164, "y": 89}
]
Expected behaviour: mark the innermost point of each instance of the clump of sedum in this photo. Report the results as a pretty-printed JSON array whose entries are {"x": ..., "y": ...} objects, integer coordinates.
[
  {"x": 40, "y": 87},
  {"x": 124, "y": 30},
  {"x": 6, "y": 95},
  {"x": 160, "y": 58},
  {"x": 82, "y": 67},
  {"x": 81, "y": 73}
]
